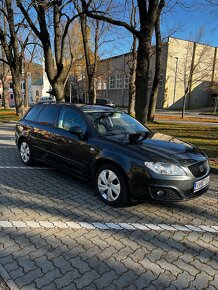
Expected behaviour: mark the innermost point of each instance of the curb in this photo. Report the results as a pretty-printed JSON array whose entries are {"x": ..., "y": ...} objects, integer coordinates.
[{"x": 214, "y": 170}]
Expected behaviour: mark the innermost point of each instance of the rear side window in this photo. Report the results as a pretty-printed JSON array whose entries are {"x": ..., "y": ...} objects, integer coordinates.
[
  {"x": 47, "y": 115},
  {"x": 33, "y": 113}
]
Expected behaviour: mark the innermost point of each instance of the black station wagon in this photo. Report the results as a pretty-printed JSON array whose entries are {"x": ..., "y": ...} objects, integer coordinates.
[{"x": 122, "y": 158}]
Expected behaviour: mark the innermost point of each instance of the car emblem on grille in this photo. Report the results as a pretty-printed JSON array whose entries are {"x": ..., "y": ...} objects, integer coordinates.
[{"x": 201, "y": 167}]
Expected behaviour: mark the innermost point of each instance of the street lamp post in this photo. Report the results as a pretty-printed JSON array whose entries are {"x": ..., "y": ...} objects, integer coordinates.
[{"x": 175, "y": 79}]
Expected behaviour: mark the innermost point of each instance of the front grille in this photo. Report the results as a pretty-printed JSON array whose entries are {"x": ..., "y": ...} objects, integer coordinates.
[{"x": 199, "y": 169}]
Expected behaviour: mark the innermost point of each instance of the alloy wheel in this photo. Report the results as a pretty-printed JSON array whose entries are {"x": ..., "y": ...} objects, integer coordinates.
[
  {"x": 25, "y": 152},
  {"x": 109, "y": 185}
]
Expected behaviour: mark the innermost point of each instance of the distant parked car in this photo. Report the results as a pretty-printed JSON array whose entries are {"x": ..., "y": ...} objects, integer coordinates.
[
  {"x": 112, "y": 150},
  {"x": 105, "y": 102},
  {"x": 48, "y": 99}
]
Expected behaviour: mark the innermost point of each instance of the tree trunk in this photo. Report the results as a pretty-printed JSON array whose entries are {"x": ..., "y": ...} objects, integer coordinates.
[
  {"x": 5, "y": 99},
  {"x": 84, "y": 30},
  {"x": 91, "y": 88},
  {"x": 58, "y": 91},
  {"x": 132, "y": 79},
  {"x": 95, "y": 62},
  {"x": 155, "y": 88},
  {"x": 18, "y": 94},
  {"x": 94, "y": 90},
  {"x": 26, "y": 98},
  {"x": 191, "y": 75},
  {"x": 184, "y": 103},
  {"x": 142, "y": 73},
  {"x": 5, "y": 70}
]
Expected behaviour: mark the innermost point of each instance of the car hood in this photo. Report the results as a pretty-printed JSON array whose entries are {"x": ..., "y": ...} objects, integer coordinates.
[{"x": 161, "y": 147}]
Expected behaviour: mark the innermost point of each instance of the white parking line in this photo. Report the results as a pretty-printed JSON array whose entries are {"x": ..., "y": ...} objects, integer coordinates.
[
  {"x": 25, "y": 167},
  {"x": 8, "y": 146},
  {"x": 107, "y": 226}
]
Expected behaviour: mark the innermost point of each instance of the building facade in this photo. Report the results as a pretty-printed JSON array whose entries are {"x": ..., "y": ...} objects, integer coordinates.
[
  {"x": 36, "y": 90},
  {"x": 183, "y": 64},
  {"x": 10, "y": 93}
]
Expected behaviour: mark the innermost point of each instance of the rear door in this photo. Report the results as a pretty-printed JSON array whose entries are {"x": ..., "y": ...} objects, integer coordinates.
[{"x": 44, "y": 131}]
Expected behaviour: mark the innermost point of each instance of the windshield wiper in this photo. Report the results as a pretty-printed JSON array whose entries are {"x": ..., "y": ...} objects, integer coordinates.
[{"x": 135, "y": 137}]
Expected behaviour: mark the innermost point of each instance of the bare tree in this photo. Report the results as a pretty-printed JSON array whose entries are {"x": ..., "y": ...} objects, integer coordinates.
[
  {"x": 195, "y": 66},
  {"x": 13, "y": 49},
  {"x": 57, "y": 66},
  {"x": 132, "y": 77},
  {"x": 132, "y": 65},
  {"x": 91, "y": 66},
  {"x": 26, "y": 67},
  {"x": 156, "y": 81},
  {"x": 4, "y": 75},
  {"x": 148, "y": 13},
  {"x": 91, "y": 62}
]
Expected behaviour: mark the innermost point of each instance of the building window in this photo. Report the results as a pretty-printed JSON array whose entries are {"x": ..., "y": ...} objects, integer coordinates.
[
  {"x": 161, "y": 78},
  {"x": 101, "y": 84},
  {"x": 119, "y": 82},
  {"x": 112, "y": 82},
  {"x": 37, "y": 93},
  {"x": 126, "y": 81},
  {"x": 11, "y": 85},
  {"x": 11, "y": 96}
]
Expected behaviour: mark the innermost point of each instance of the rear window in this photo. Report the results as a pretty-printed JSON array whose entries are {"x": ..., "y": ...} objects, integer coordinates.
[
  {"x": 47, "y": 115},
  {"x": 33, "y": 113}
]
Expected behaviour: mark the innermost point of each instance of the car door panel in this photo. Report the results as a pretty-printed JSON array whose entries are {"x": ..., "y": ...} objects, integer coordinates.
[{"x": 69, "y": 149}]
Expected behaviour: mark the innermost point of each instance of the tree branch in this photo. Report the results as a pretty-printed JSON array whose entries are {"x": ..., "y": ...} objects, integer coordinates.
[
  {"x": 26, "y": 15},
  {"x": 95, "y": 15},
  {"x": 4, "y": 61}
]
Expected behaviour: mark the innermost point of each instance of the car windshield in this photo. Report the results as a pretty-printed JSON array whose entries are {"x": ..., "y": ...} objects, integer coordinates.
[{"x": 114, "y": 123}]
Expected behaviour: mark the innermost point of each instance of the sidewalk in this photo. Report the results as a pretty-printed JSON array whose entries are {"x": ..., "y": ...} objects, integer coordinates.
[{"x": 199, "y": 113}]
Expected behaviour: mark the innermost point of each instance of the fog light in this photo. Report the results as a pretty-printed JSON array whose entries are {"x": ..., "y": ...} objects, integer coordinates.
[{"x": 160, "y": 193}]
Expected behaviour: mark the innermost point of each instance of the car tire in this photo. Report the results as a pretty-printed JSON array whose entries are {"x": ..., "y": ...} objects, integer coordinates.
[
  {"x": 111, "y": 185},
  {"x": 26, "y": 152}
]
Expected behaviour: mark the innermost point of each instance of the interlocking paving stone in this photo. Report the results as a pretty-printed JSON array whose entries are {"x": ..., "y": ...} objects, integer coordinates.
[{"x": 56, "y": 234}]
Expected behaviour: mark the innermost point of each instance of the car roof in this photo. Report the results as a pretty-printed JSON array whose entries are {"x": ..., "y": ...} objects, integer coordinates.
[
  {"x": 96, "y": 108},
  {"x": 81, "y": 107}
]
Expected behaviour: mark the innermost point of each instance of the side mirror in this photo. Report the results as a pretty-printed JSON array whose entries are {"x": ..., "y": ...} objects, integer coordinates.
[{"x": 76, "y": 130}]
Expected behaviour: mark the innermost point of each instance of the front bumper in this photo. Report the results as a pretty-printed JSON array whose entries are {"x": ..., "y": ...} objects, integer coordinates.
[
  {"x": 166, "y": 188},
  {"x": 171, "y": 193}
]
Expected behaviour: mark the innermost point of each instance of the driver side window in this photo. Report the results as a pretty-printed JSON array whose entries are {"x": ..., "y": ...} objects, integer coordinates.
[{"x": 69, "y": 118}]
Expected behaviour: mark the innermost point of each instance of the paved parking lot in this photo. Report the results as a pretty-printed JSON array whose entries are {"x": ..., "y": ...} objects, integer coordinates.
[{"x": 56, "y": 234}]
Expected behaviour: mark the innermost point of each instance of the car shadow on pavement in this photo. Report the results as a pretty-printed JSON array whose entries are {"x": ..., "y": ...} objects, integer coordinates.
[{"x": 59, "y": 196}]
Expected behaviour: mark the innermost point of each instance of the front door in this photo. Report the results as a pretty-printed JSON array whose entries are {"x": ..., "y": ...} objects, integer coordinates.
[{"x": 70, "y": 150}]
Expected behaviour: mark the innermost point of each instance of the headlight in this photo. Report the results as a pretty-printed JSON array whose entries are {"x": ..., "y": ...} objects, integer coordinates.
[{"x": 165, "y": 168}]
